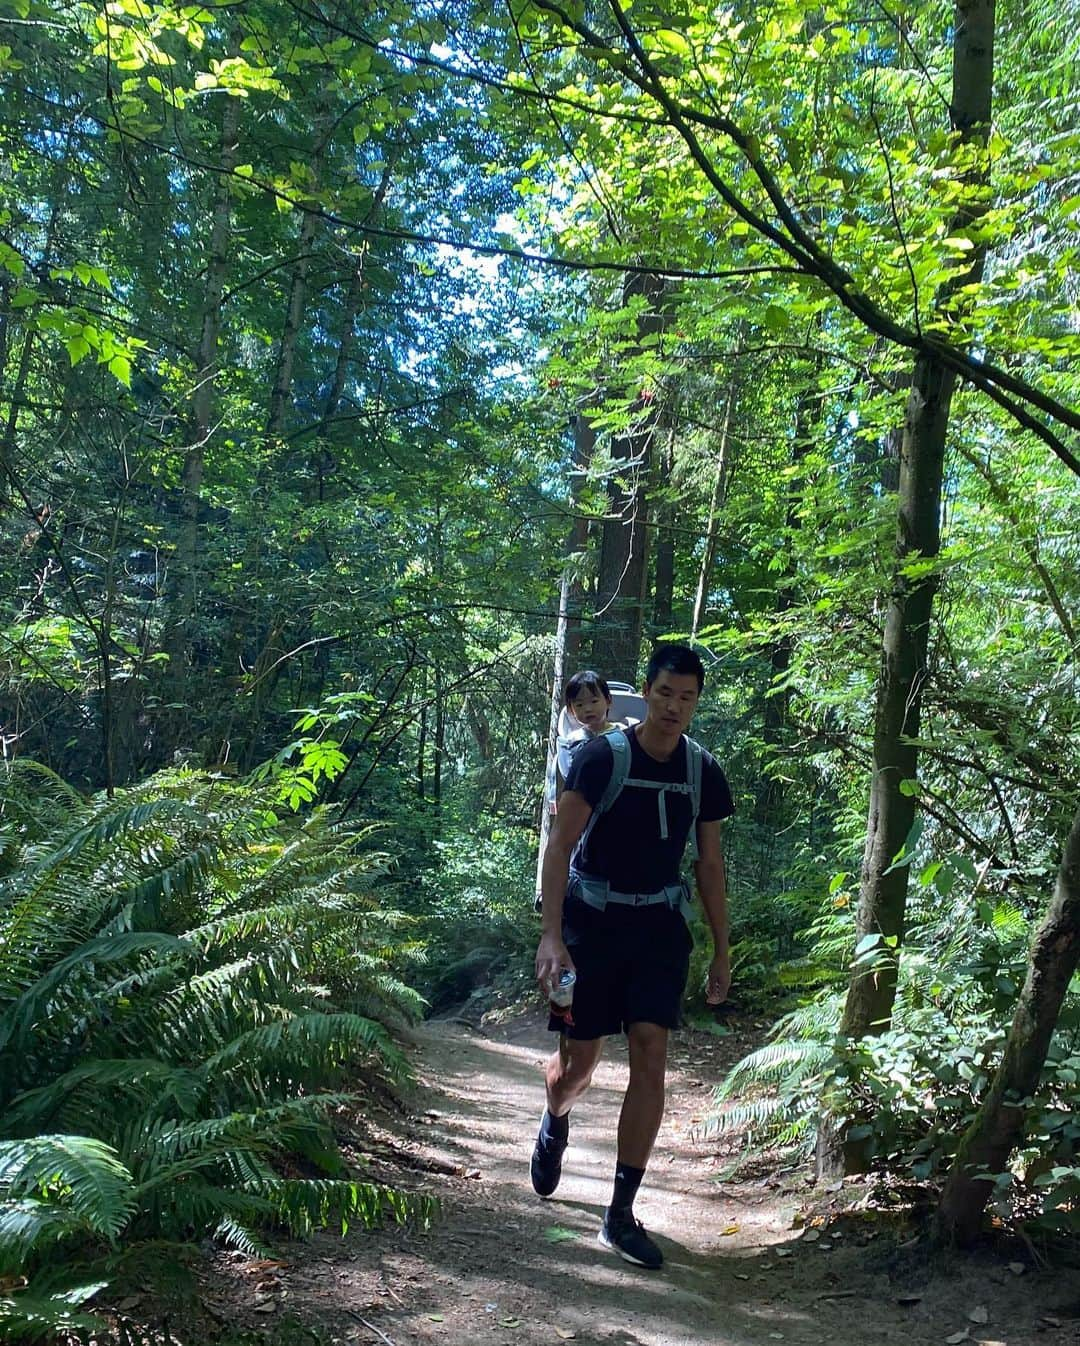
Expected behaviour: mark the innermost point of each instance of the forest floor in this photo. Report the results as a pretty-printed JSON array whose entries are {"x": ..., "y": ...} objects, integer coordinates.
[{"x": 765, "y": 1259}]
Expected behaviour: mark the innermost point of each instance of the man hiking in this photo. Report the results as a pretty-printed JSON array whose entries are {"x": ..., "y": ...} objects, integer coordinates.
[{"x": 613, "y": 912}]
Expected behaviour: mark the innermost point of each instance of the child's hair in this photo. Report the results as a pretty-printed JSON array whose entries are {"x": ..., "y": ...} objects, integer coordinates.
[{"x": 585, "y": 681}]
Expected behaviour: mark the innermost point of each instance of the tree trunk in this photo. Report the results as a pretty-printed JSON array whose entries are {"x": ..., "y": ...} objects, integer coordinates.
[
  {"x": 352, "y": 302},
  {"x": 439, "y": 744},
  {"x": 10, "y": 436},
  {"x": 769, "y": 797},
  {"x": 716, "y": 502},
  {"x": 620, "y": 597},
  {"x": 568, "y": 624},
  {"x": 578, "y": 537},
  {"x": 558, "y": 680},
  {"x": 294, "y": 315},
  {"x": 903, "y": 671},
  {"x": 421, "y": 744},
  {"x": 663, "y": 617},
  {"x": 999, "y": 1123},
  {"x": 185, "y": 595}
]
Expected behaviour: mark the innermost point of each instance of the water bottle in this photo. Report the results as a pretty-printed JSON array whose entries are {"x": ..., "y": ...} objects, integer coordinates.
[{"x": 561, "y": 993}]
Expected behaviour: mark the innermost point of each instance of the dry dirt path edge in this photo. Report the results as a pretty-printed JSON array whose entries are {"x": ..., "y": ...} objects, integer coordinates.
[{"x": 502, "y": 1266}]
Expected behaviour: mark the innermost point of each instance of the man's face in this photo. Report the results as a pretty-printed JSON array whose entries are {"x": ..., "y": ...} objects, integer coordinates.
[
  {"x": 672, "y": 699},
  {"x": 590, "y": 708}
]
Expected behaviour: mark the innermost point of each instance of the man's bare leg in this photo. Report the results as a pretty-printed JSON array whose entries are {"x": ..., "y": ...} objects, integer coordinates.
[
  {"x": 643, "y": 1102},
  {"x": 639, "y": 1121},
  {"x": 569, "y": 1073}
]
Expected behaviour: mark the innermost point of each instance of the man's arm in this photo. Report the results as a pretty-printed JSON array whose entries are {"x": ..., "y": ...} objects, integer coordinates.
[
  {"x": 712, "y": 888},
  {"x": 574, "y": 812}
]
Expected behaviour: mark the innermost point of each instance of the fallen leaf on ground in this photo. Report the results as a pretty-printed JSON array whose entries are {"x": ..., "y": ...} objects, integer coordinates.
[
  {"x": 509, "y": 1322},
  {"x": 435, "y": 1317},
  {"x": 1050, "y": 1320},
  {"x": 957, "y": 1337},
  {"x": 783, "y": 1252},
  {"x": 811, "y": 1235},
  {"x": 979, "y": 1314},
  {"x": 731, "y": 1229},
  {"x": 565, "y": 1333},
  {"x": 1017, "y": 1268},
  {"x": 557, "y": 1233}
]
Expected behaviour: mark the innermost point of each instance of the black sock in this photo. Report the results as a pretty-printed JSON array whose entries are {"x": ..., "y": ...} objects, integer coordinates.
[
  {"x": 627, "y": 1182},
  {"x": 554, "y": 1129}
]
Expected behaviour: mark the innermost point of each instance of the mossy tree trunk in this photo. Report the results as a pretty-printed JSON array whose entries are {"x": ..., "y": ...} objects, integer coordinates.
[
  {"x": 904, "y": 668},
  {"x": 999, "y": 1123}
]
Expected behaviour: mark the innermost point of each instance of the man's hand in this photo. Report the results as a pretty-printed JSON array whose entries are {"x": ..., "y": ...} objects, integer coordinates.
[
  {"x": 551, "y": 958},
  {"x": 719, "y": 982}
]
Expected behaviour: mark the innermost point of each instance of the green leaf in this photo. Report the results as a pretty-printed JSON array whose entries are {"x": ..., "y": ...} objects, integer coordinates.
[
  {"x": 78, "y": 348},
  {"x": 120, "y": 369},
  {"x": 10, "y": 260},
  {"x": 669, "y": 40},
  {"x": 776, "y": 318}
]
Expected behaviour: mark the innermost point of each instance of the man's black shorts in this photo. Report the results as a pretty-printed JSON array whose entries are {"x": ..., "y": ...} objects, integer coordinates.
[{"x": 631, "y": 963}]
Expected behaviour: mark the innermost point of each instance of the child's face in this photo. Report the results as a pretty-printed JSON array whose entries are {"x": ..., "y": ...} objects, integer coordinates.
[{"x": 590, "y": 708}]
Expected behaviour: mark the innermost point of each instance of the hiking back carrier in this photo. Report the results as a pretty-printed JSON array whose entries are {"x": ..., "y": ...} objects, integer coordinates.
[
  {"x": 619, "y": 742},
  {"x": 598, "y": 892}
]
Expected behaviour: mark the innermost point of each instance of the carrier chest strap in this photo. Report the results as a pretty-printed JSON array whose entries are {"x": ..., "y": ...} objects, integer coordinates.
[{"x": 619, "y": 742}]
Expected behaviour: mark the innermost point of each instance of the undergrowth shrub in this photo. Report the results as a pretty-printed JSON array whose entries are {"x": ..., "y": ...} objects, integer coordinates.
[
  {"x": 475, "y": 910},
  {"x": 188, "y": 987},
  {"x": 910, "y": 1093}
]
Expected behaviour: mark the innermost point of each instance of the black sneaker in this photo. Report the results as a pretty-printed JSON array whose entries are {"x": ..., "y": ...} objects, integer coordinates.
[
  {"x": 546, "y": 1167},
  {"x": 623, "y": 1234}
]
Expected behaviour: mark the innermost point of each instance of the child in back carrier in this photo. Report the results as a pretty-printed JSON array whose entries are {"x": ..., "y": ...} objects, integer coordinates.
[{"x": 587, "y": 702}]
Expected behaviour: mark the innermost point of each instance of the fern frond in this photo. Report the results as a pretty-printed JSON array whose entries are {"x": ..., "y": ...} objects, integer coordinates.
[
  {"x": 179, "y": 878},
  {"x": 141, "y": 1078},
  {"x": 773, "y": 1062},
  {"x": 308, "y": 1043},
  {"x": 232, "y": 1234},
  {"x": 151, "y": 1146},
  {"x": 72, "y": 1170},
  {"x": 39, "y": 1318},
  {"x": 304, "y": 1205},
  {"x": 117, "y": 821},
  {"x": 753, "y": 1114},
  {"x": 16, "y": 1021},
  {"x": 29, "y": 1227}
]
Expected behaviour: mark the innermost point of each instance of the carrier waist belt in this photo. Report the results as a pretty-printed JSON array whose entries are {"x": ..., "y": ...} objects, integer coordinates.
[{"x": 598, "y": 893}]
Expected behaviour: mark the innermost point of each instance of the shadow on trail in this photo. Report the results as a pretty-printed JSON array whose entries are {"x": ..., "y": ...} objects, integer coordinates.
[
  {"x": 526, "y": 1269},
  {"x": 501, "y": 1266}
]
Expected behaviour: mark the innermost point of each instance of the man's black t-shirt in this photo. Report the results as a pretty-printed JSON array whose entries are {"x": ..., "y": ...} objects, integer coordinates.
[{"x": 625, "y": 846}]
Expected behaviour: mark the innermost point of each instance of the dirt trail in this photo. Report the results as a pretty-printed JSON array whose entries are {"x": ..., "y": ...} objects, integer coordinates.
[{"x": 501, "y": 1266}]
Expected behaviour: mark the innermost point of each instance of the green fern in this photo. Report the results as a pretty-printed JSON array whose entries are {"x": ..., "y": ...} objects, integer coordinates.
[
  {"x": 181, "y": 984},
  {"x": 26, "y": 1316}
]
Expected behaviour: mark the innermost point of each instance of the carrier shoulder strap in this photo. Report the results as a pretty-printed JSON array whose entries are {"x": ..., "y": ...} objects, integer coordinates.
[
  {"x": 694, "y": 767},
  {"x": 620, "y": 768}
]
